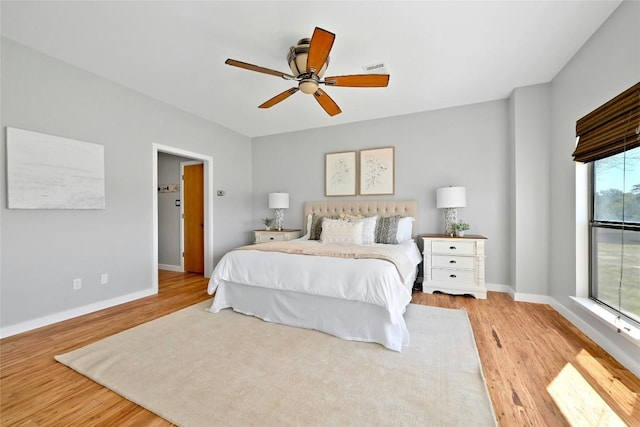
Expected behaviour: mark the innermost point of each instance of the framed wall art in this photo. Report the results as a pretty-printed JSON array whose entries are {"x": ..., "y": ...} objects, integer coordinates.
[
  {"x": 377, "y": 171},
  {"x": 340, "y": 174},
  {"x": 52, "y": 172}
]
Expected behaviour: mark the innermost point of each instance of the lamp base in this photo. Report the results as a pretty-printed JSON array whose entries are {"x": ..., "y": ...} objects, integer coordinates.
[
  {"x": 450, "y": 218},
  {"x": 279, "y": 219}
]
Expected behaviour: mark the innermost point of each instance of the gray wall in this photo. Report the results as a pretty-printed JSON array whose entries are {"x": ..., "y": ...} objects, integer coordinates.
[
  {"x": 606, "y": 65},
  {"x": 44, "y": 250},
  {"x": 466, "y": 146},
  {"x": 529, "y": 129}
]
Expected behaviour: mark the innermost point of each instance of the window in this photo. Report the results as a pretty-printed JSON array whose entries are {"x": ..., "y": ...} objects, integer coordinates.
[
  {"x": 609, "y": 140},
  {"x": 615, "y": 233}
]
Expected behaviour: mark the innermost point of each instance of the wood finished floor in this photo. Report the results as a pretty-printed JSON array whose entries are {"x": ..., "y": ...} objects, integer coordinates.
[{"x": 537, "y": 365}]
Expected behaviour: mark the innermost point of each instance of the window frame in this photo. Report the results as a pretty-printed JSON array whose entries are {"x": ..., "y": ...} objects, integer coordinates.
[{"x": 615, "y": 225}]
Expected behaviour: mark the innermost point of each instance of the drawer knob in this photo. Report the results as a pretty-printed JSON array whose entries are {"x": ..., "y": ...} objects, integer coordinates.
[
  {"x": 453, "y": 248},
  {"x": 453, "y": 276},
  {"x": 453, "y": 261},
  {"x": 271, "y": 238}
]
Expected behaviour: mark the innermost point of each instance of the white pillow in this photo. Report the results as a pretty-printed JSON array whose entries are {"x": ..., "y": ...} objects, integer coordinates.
[
  {"x": 368, "y": 228},
  {"x": 405, "y": 226},
  {"x": 336, "y": 231},
  {"x": 309, "y": 221}
]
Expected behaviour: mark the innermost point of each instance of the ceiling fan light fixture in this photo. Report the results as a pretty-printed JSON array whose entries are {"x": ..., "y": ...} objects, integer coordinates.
[
  {"x": 308, "y": 61},
  {"x": 308, "y": 86},
  {"x": 297, "y": 58}
]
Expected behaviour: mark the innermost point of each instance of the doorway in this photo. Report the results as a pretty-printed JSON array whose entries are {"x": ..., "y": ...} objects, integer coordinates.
[{"x": 207, "y": 192}]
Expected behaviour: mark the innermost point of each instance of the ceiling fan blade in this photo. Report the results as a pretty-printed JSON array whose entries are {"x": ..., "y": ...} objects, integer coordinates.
[
  {"x": 326, "y": 102},
  {"x": 264, "y": 70},
  {"x": 358, "y": 80},
  {"x": 319, "y": 48},
  {"x": 278, "y": 98}
]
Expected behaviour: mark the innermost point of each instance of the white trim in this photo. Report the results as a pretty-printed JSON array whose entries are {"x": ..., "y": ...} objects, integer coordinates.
[
  {"x": 168, "y": 267},
  {"x": 208, "y": 206},
  {"x": 29, "y": 325},
  {"x": 534, "y": 298},
  {"x": 582, "y": 230},
  {"x": 497, "y": 287},
  {"x": 627, "y": 330},
  {"x": 519, "y": 296}
]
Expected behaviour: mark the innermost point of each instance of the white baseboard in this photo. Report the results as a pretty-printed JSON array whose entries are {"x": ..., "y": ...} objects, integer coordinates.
[
  {"x": 170, "y": 267},
  {"x": 535, "y": 298},
  {"x": 29, "y": 325},
  {"x": 496, "y": 287},
  {"x": 519, "y": 296}
]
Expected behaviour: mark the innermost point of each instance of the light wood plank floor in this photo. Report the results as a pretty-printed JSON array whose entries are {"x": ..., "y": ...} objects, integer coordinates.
[{"x": 540, "y": 370}]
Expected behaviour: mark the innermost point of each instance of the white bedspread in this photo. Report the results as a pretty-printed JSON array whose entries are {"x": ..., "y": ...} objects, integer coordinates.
[{"x": 372, "y": 281}]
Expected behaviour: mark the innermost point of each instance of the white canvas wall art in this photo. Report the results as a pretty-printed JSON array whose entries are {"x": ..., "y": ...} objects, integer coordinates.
[{"x": 52, "y": 172}]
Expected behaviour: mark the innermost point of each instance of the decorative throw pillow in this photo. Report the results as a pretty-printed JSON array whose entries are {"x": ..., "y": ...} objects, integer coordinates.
[
  {"x": 387, "y": 229},
  {"x": 316, "y": 227},
  {"x": 405, "y": 227},
  {"x": 346, "y": 217},
  {"x": 368, "y": 228},
  {"x": 308, "y": 228},
  {"x": 336, "y": 231}
]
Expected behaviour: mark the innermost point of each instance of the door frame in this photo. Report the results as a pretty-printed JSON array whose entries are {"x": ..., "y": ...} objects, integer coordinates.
[
  {"x": 207, "y": 162},
  {"x": 182, "y": 165}
]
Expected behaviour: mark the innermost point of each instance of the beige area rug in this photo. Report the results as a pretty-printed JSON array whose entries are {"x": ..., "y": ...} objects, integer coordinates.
[{"x": 195, "y": 368}]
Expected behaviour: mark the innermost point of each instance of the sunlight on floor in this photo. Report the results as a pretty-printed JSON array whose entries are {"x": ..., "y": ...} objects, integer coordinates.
[
  {"x": 579, "y": 402},
  {"x": 625, "y": 398}
]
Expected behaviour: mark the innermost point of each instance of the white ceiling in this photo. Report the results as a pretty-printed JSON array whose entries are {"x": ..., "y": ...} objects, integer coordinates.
[{"x": 439, "y": 53}]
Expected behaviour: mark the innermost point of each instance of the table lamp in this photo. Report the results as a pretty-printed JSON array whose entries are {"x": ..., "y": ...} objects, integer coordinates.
[
  {"x": 279, "y": 201},
  {"x": 450, "y": 198}
]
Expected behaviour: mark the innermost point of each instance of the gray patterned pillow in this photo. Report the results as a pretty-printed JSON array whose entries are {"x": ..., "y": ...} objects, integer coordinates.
[
  {"x": 387, "y": 229},
  {"x": 316, "y": 226}
]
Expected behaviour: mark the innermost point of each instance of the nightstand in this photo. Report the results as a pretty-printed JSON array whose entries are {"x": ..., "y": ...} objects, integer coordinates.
[
  {"x": 454, "y": 265},
  {"x": 263, "y": 236}
]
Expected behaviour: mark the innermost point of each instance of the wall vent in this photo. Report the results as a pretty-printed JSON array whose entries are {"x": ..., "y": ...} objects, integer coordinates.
[{"x": 377, "y": 68}]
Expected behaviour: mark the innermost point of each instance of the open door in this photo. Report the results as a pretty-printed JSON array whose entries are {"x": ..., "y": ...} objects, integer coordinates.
[{"x": 193, "y": 217}]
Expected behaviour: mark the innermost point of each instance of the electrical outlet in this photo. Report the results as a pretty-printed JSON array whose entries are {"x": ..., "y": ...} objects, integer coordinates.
[
  {"x": 104, "y": 278},
  {"x": 77, "y": 284}
]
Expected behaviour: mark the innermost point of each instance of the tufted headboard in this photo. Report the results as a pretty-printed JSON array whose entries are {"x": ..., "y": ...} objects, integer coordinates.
[{"x": 363, "y": 207}]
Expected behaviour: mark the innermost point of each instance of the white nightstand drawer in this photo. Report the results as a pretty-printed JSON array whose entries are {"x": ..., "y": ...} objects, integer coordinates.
[
  {"x": 271, "y": 237},
  {"x": 452, "y": 276},
  {"x": 265, "y": 236},
  {"x": 453, "y": 247},
  {"x": 452, "y": 261}
]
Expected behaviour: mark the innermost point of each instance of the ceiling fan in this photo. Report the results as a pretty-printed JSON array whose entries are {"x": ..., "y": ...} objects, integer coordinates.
[{"x": 308, "y": 62}]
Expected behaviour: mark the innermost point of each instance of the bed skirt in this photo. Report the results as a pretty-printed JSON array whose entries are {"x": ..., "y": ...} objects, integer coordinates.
[{"x": 349, "y": 320}]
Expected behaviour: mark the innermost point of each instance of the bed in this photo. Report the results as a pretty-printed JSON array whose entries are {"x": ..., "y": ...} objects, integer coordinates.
[{"x": 353, "y": 291}]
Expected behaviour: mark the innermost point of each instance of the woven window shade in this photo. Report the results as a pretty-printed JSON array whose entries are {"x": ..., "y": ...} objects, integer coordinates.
[{"x": 610, "y": 129}]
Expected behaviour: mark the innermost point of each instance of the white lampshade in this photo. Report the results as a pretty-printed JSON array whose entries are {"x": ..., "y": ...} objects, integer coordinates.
[
  {"x": 451, "y": 197},
  {"x": 278, "y": 200}
]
